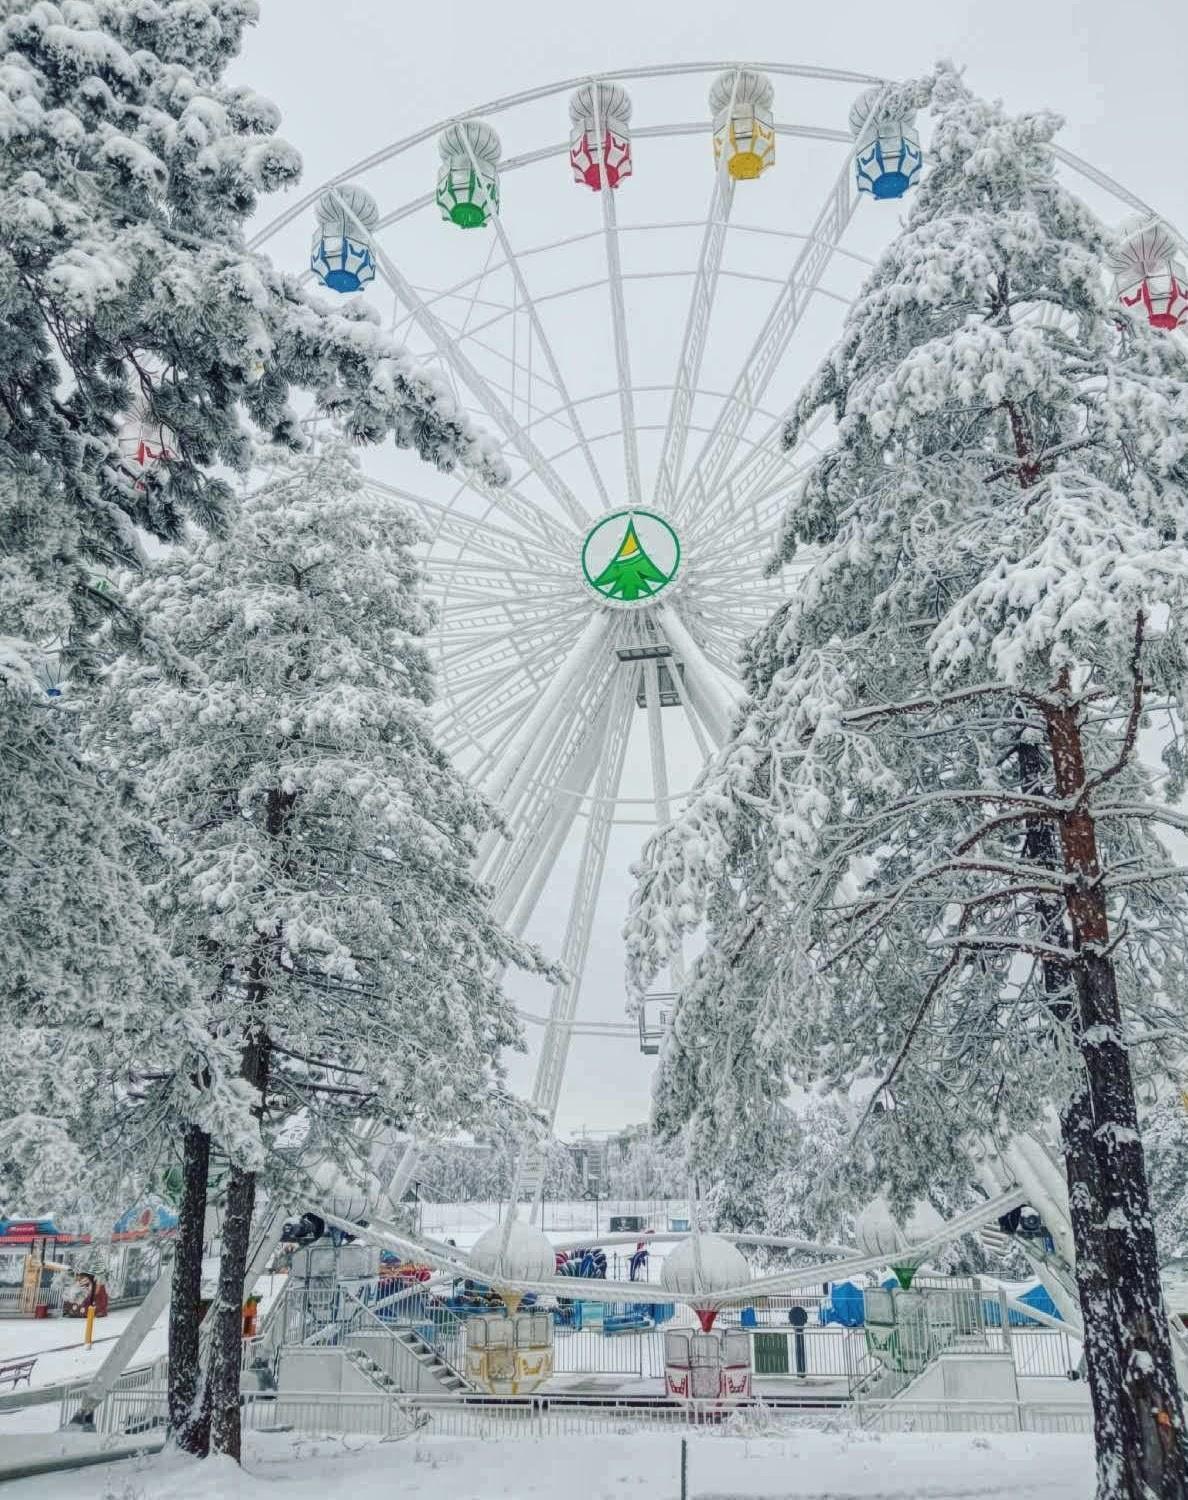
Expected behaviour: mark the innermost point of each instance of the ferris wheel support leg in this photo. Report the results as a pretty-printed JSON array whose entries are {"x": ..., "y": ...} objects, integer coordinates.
[
  {"x": 550, "y": 1070},
  {"x": 395, "y": 1186},
  {"x": 707, "y": 692},
  {"x": 556, "y": 760},
  {"x": 517, "y": 763},
  {"x": 514, "y": 904},
  {"x": 660, "y": 788}
]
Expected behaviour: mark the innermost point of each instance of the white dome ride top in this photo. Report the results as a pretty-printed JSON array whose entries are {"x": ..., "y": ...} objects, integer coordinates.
[
  {"x": 704, "y": 1263},
  {"x": 528, "y": 1256}
]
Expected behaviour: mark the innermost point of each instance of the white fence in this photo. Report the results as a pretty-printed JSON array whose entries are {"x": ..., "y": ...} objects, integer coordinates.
[
  {"x": 325, "y": 1414},
  {"x": 15, "y": 1300}
]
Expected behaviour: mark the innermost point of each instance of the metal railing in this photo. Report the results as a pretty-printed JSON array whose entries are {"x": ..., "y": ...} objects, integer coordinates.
[
  {"x": 588, "y": 1351},
  {"x": 1039, "y": 1353},
  {"x": 332, "y": 1316},
  {"x": 131, "y": 1391},
  {"x": 973, "y": 1416},
  {"x": 332, "y": 1413},
  {"x": 18, "y": 1301}
]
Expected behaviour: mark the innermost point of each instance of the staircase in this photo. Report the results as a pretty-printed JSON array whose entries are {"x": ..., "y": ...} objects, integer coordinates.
[
  {"x": 432, "y": 1360},
  {"x": 915, "y": 1340},
  {"x": 418, "y": 1311}
]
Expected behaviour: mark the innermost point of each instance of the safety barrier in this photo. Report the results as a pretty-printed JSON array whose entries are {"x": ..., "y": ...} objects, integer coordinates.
[
  {"x": 323, "y": 1414},
  {"x": 590, "y": 1352},
  {"x": 973, "y": 1416},
  {"x": 17, "y": 1301},
  {"x": 1039, "y": 1354}
]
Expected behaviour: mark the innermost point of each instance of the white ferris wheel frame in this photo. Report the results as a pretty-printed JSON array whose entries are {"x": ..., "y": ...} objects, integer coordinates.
[{"x": 548, "y": 740}]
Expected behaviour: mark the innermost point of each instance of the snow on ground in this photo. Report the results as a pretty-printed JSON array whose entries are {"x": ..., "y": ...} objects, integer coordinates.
[
  {"x": 61, "y": 1353},
  {"x": 820, "y": 1465}
]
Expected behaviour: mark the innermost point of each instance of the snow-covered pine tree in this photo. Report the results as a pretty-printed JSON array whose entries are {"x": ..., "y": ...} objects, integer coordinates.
[
  {"x": 1165, "y": 1148},
  {"x": 91, "y": 999},
  {"x": 941, "y": 841},
  {"x": 321, "y": 887},
  {"x": 128, "y": 169}
]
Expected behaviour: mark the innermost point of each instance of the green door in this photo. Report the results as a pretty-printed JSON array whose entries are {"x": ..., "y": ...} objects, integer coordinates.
[{"x": 771, "y": 1353}]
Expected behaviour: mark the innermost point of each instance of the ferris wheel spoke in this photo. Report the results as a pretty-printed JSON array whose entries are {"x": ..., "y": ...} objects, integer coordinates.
[
  {"x": 622, "y": 347},
  {"x": 451, "y": 351},
  {"x": 468, "y": 691},
  {"x": 546, "y": 347},
  {"x": 471, "y": 574},
  {"x": 764, "y": 355},
  {"x": 472, "y": 689},
  {"x": 761, "y": 466},
  {"x": 498, "y": 719},
  {"x": 497, "y": 614},
  {"x": 447, "y": 525},
  {"x": 550, "y": 1071},
  {"x": 462, "y": 653},
  {"x": 697, "y": 326}
]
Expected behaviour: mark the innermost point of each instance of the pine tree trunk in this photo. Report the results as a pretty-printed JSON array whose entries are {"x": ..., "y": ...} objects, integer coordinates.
[
  {"x": 226, "y": 1348},
  {"x": 1138, "y": 1420},
  {"x": 226, "y": 1345},
  {"x": 189, "y": 1431}
]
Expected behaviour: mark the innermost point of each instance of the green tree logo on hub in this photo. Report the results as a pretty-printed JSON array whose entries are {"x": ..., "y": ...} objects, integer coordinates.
[{"x": 630, "y": 556}]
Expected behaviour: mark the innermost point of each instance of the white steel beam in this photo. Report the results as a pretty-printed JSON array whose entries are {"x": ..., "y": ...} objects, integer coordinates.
[
  {"x": 550, "y": 1071},
  {"x": 558, "y": 379},
  {"x": 525, "y": 884},
  {"x": 534, "y": 806},
  {"x": 701, "y": 303},
  {"x": 517, "y": 762},
  {"x": 622, "y": 347},
  {"x": 704, "y": 685},
  {"x": 764, "y": 356},
  {"x": 453, "y": 353},
  {"x": 656, "y": 737}
]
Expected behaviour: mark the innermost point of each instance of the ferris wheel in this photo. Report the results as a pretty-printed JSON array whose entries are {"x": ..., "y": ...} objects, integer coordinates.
[{"x": 626, "y": 279}]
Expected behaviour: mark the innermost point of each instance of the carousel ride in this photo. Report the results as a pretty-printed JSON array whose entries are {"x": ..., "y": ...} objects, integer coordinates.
[{"x": 637, "y": 351}]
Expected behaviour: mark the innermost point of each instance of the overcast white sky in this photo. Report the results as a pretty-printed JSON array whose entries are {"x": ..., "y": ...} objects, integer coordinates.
[{"x": 352, "y": 75}]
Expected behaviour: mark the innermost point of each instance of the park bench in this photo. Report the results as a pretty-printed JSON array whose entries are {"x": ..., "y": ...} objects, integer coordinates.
[{"x": 17, "y": 1371}]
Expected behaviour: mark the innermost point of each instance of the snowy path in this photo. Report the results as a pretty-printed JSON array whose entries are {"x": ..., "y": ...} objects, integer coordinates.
[{"x": 810, "y": 1466}]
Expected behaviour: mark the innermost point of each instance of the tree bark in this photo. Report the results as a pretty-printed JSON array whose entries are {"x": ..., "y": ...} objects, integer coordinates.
[
  {"x": 226, "y": 1348},
  {"x": 226, "y": 1345},
  {"x": 1138, "y": 1420},
  {"x": 188, "y": 1430},
  {"x": 1137, "y": 1413}
]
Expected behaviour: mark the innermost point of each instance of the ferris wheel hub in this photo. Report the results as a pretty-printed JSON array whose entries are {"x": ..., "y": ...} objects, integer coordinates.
[{"x": 630, "y": 557}]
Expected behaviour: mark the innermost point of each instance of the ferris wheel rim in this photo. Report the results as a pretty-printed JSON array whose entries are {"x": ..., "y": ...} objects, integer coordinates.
[{"x": 505, "y": 102}]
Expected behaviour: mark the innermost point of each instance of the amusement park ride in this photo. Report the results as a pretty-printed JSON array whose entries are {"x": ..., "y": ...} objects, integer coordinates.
[
  {"x": 591, "y": 610},
  {"x": 638, "y": 358}
]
